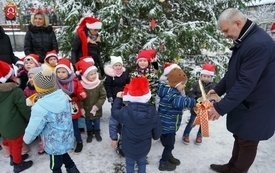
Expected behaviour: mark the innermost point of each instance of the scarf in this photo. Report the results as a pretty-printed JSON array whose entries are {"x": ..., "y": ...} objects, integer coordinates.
[
  {"x": 90, "y": 85},
  {"x": 118, "y": 73},
  {"x": 244, "y": 32},
  {"x": 69, "y": 82},
  {"x": 143, "y": 71}
]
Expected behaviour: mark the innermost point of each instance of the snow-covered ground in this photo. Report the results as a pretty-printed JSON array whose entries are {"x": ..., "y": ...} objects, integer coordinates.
[{"x": 100, "y": 157}]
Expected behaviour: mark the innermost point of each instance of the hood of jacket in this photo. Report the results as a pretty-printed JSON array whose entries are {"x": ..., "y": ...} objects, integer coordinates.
[
  {"x": 142, "y": 112},
  {"x": 54, "y": 102},
  {"x": 5, "y": 89},
  {"x": 35, "y": 29}
]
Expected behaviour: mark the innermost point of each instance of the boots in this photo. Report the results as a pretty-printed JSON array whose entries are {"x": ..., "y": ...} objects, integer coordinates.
[
  {"x": 78, "y": 147},
  {"x": 90, "y": 136},
  {"x": 24, "y": 157},
  {"x": 220, "y": 168},
  {"x": 167, "y": 166},
  {"x": 97, "y": 135},
  {"x": 174, "y": 160},
  {"x": 22, "y": 166},
  {"x": 72, "y": 170}
]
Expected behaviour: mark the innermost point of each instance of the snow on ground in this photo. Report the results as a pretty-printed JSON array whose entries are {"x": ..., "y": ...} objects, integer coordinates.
[{"x": 100, "y": 157}]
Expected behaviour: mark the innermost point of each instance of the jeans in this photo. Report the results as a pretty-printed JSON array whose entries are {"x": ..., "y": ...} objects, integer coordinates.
[
  {"x": 56, "y": 162},
  {"x": 77, "y": 134},
  {"x": 168, "y": 141},
  {"x": 190, "y": 125},
  {"x": 92, "y": 125},
  {"x": 130, "y": 164},
  {"x": 81, "y": 122}
]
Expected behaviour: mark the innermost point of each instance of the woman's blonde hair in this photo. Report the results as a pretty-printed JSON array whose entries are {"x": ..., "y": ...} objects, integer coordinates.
[{"x": 46, "y": 18}]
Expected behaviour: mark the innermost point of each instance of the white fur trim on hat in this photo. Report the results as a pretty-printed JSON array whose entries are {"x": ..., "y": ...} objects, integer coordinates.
[
  {"x": 141, "y": 99},
  {"x": 63, "y": 66},
  {"x": 207, "y": 72},
  {"x": 5, "y": 78},
  {"x": 34, "y": 60},
  {"x": 95, "y": 25},
  {"x": 88, "y": 70},
  {"x": 89, "y": 60},
  {"x": 169, "y": 68},
  {"x": 116, "y": 59},
  {"x": 51, "y": 55}
]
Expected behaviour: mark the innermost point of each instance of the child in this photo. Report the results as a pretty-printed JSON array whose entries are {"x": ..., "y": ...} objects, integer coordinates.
[
  {"x": 206, "y": 76},
  {"x": 69, "y": 83},
  {"x": 30, "y": 61},
  {"x": 172, "y": 102},
  {"x": 96, "y": 96},
  {"x": 145, "y": 69},
  {"x": 53, "y": 122},
  {"x": 14, "y": 115},
  {"x": 50, "y": 60},
  {"x": 29, "y": 89},
  {"x": 140, "y": 122},
  {"x": 167, "y": 68}
]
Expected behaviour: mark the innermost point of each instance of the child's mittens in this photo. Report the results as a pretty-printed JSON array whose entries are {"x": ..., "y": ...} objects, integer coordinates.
[
  {"x": 83, "y": 95},
  {"x": 82, "y": 112},
  {"x": 94, "y": 109},
  {"x": 110, "y": 100}
]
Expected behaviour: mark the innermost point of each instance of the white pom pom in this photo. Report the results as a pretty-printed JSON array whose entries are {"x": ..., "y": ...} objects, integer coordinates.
[{"x": 77, "y": 73}]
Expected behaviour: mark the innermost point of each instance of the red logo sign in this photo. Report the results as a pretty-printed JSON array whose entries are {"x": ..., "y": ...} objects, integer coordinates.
[{"x": 10, "y": 11}]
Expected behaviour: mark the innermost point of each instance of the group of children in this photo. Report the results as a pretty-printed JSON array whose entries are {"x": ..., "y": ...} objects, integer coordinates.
[{"x": 140, "y": 100}]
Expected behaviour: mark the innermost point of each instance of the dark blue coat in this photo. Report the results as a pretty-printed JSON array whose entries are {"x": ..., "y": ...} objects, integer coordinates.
[
  {"x": 249, "y": 85},
  {"x": 140, "y": 123}
]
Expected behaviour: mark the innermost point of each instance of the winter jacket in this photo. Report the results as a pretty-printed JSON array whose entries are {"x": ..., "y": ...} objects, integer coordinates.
[
  {"x": 249, "y": 86},
  {"x": 171, "y": 104},
  {"x": 29, "y": 90},
  {"x": 140, "y": 123},
  {"x": 96, "y": 96},
  {"x": 195, "y": 91},
  {"x": 40, "y": 40},
  {"x": 14, "y": 114},
  {"x": 53, "y": 122},
  {"x": 6, "y": 52},
  {"x": 113, "y": 84}
]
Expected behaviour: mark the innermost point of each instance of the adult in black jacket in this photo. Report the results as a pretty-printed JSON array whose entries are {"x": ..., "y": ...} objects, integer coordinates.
[
  {"x": 40, "y": 37},
  {"x": 6, "y": 52}
]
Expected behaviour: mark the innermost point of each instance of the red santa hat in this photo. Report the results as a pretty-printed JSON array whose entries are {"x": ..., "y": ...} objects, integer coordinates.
[
  {"x": 5, "y": 71},
  {"x": 49, "y": 54},
  {"x": 33, "y": 57},
  {"x": 148, "y": 54},
  {"x": 138, "y": 90},
  {"x": 272, "y": 29},
  {"x": 84, "y": 68},
  {"x": 125, "y": 93},
  {"x": 208, "y": 69},
  {"x": 64, "y": 63},
  {"x": 90, "y": 23},
  {"x": 168, "y": 67},
  {"x": 20, "y": 61},
  {"x": 88, "y": 59}
]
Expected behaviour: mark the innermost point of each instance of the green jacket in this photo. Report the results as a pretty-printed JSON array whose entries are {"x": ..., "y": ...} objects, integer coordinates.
[
  {"x": 14, "y": 114},
  {"x": 96, "y": 96}
]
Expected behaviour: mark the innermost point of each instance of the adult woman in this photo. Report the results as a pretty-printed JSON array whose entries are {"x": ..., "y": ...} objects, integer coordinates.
[
  {"x": 87, "y": 41},
  {"x": 40, "y": 37}
]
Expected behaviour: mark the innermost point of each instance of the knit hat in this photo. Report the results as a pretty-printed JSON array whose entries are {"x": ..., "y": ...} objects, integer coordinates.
[
  {"x": 90, "y": 23},
  {"x": 33, "y": 57},
  {"x": 148, "y": 54},
  {"x": 84, "y": 68},
  {"x": 175, "y": 77},
  {"x": 272, "y": 29},
  {"x": 88, "y": 59},
  {"x": 44, "y": 81},
  {"x": 65, "y": 63},
  {"x": 116, "y": 59},
  {"x": 168, "y": 67},
  {"x": 208, "y": 69},
  {"x": 34, "y": 70},
  {"x": 6, "y": 71},
  {"x": 138, "y": 90},
  {"x": 49, "y": 54}
]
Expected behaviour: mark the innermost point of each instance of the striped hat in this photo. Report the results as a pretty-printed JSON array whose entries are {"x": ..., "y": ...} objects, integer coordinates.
[{"x": 44, "y": 81}]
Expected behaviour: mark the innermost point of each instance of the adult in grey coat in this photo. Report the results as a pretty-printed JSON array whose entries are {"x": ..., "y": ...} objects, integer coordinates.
[{"x": 249, "y": 87}]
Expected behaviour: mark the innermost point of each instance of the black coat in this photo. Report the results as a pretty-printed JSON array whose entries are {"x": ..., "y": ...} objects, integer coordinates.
[
  {"x": 6, "y": 52},
  {"x": 249, "y": 85},
  {"x": 195, "y": 91},
  {"x": 40, "y": 40}
]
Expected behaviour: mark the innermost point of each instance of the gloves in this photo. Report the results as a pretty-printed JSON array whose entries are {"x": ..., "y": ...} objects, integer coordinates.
[
  {"x": 110, "y": 100},
  {"x": 94, "y": 109},
  {"x": 82, "y": 112}
]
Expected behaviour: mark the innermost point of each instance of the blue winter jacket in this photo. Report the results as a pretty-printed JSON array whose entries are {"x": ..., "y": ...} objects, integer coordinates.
[
  {"x": 140, "y": 123},
  {"x": 51, "y": 118},
  {"x": 171, "y": 104}
]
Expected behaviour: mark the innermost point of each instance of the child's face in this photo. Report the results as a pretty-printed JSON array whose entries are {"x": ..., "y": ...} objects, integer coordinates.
[
  {"x": 143, "y": 63},
  {"x": 52, "y": 61},
  {"x": 31, "y": 78},
  {"x": 29, "y": 64},
  {"x": 62, "y": 73},
  {"x": 206, "y": 78},
  {"x": 181, "y": 87},
  {"x": 92, "y": 76},
  {"x": 117, "y": 66}
]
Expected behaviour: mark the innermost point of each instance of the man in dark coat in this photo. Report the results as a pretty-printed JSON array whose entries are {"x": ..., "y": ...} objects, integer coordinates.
[
  {"x": 6, "y": 52},
  {"x": 250, "y": 89}
]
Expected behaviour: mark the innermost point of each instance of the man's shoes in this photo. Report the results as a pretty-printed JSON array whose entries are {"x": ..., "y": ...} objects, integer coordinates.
[
  {"x": 174, "y": 160},
  {"x": 167, "y": 167},
  {"x": 220, "y": 168},
  {"x": 186, "y": 140},
  {"x": 78, "y": 148}
]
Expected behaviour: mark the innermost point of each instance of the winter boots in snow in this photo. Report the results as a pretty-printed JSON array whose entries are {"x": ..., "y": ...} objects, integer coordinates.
[
  {"x": 167, "y": 166},
  {"x": 89, "y": 137},
  {"x": 24, "y": 157},
  {"x": 22, "y": 166},
  {"x": 78, "y": 147},
  {"x": 220, "y": 168},
  {"x": 97, "y": 135},
  {"x": 72, "y": 170},
  {"x": 174, "y": 160}
]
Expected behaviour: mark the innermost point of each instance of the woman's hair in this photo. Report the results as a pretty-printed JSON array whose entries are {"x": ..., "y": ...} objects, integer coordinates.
[{"x": 46, "y": 18}]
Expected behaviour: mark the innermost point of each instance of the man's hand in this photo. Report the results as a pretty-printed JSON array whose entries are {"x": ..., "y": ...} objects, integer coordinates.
[
  {"x": 213, "y": 114},
  {"x": 119, "y": 94},
  {"x": 211, "y": 92},
  {"x": 114, "y": 144}
]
